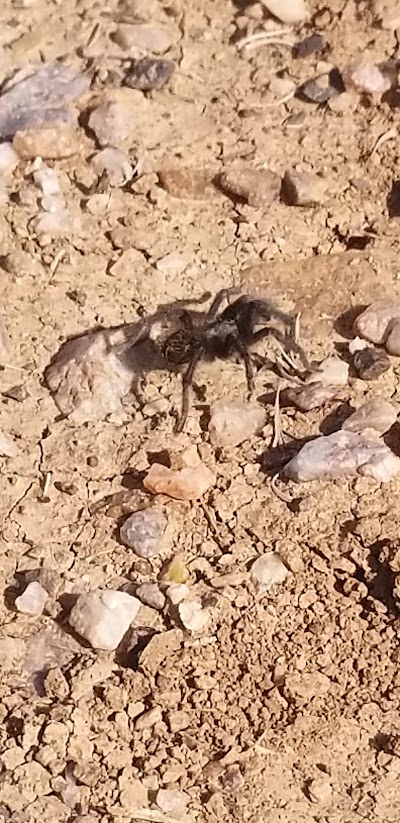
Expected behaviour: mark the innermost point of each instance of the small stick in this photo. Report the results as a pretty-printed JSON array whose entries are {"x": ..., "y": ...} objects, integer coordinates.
[
  {"x": 262, "y": 35},
  {"x": 47, "y": 484},
  {"x": 278, "y": 436},
  {"x": 286, "y": 498},
  {"x": 388, "y": 135},
  {"x": 276, "y": 41}
]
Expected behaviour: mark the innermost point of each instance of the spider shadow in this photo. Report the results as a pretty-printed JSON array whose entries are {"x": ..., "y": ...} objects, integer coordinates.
[{"x": 344, "y": 323}]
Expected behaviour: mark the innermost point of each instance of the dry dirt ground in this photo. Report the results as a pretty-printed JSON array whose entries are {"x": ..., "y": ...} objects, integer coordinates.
[{"x": 287, "y": 707}]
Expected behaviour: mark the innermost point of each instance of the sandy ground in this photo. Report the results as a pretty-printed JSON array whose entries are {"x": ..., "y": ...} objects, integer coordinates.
[{"x": 287, "y": 707}]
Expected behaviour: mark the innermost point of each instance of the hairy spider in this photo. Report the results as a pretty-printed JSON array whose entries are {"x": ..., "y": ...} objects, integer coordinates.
[{"x": 185, "y": 337}]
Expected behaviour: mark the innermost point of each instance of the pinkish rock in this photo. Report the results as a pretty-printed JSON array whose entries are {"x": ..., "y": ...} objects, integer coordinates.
[
  {"x": 54, "y": 142},
  {"x": 259, "y": 187},
  {"x": 7, "y": 446},
  {"x": 184, "y": 484},
  {"x": 8, "y": 158}
]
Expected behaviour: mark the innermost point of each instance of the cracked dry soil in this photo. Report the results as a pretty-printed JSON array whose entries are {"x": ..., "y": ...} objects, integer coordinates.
[{"x": 287, "y": 707}]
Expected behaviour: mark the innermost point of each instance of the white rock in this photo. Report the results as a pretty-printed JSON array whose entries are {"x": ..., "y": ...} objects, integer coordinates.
[
  {"x": 177, "y": 592},
  {"x": 320, "y": 790},
  {"x": 112, "y": 122},
  {"x": 288, "y": 11},
  {"x": 233, "y": 421},
  {"x": 172, "y": 800},
  {"x": 377, "y": 414},
  {"x": 173, "y": 263},
  {"x": 8, "y": 158},
  {"x": 365, "y": 77},
  {"x": 142, "y": 37},
  {"x": 343, "y": 454},
  {"x": 7, "y": 446},
  {"x": 103, "y": 617},
  {"x": 47, "y": 180},
  {"x": 193, "y": 616},
  {"x": 380, "y": 324},
  {"x": 54, "y": 224},
  {"x": 32, "y": 600},
  {"x": 115, "y": 164},
  {"x": 268, "y": 570},
  {"x": 331, "y": 372},
  {"x": 357, "y": 344}
]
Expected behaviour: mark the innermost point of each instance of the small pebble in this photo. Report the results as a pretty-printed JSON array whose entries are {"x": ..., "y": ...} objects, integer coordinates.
[
  {"x": 51, "y": 142},
  {"x": 47, "y": 181},
  {"x": 173, "y": 263},
  {"x": 303, "y": 188},
  {"x": 143, "y": 37},
  {"x": 189, "y": 483},
  {"x": 155, "y": 407},
  {"x": 139, "y": 9},
  {"x": 115, "y": 164},
  {"x": 143, "y": 531},
  {"x": 177, "y": 592},
  {"x": 320, "y": 90},
  {"x": 259, "y": 187},
  {"x": 313, "y": 44},
  {"x": 309, "y": 397},
  {"x": 320, "y": 791},
  {"x": 343, "y": 454},
  {"x": 268, "y": 570},
  {"x": 149, "y": 719},
  {"x": 331, "y": 372},
  {"x": 8, "y": 158},
  {"x": 288, "y": 11},
  {"x": 54, "y": 224},
  {"x": 176, "y": 571},
  {"x": 365, "y": 77},
  {"x": 371, "y": 363},
  {"x": 378, "y": 324},
  {"x": 233, "y": 421},
  {"x": 112, "y": 123},
  {"x": 103, "y": 617},
  {"x": 377, "y": 414},
  {"x": 18, "y": 393},
  {"x": 282, "y": 87},
  {"x": 7, "y": 446},
  {"x": 150, "y": 594},
  {"x": 193, "y": 616},
  {"x": 33, "y": 600},
  {"x": 171, "y": 801},
  {"x": 149, "y": 73},
  {"x": 194, "y": 184}
]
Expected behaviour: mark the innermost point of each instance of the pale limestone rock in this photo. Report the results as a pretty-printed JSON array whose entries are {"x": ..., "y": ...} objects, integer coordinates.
[
  {"x": 32, "y": 601},
  {"x": 233, "y": 421},
  {"x": 103, "y": 617}
]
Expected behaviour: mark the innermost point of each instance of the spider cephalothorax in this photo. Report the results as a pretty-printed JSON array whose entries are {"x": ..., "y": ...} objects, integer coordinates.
[{"x": 185, "y": 337}]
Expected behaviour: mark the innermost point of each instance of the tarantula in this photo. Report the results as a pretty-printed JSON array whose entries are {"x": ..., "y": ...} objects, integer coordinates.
[{"x": 185, "y": 337}]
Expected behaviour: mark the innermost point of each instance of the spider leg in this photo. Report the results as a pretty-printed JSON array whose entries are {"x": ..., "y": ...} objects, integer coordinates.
[
  {"x": 219, "y": 299},
  {"x": 186, "y": 387},
  {"x": 246, "y": 357},
  {"x": 284, "y": 340}
]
